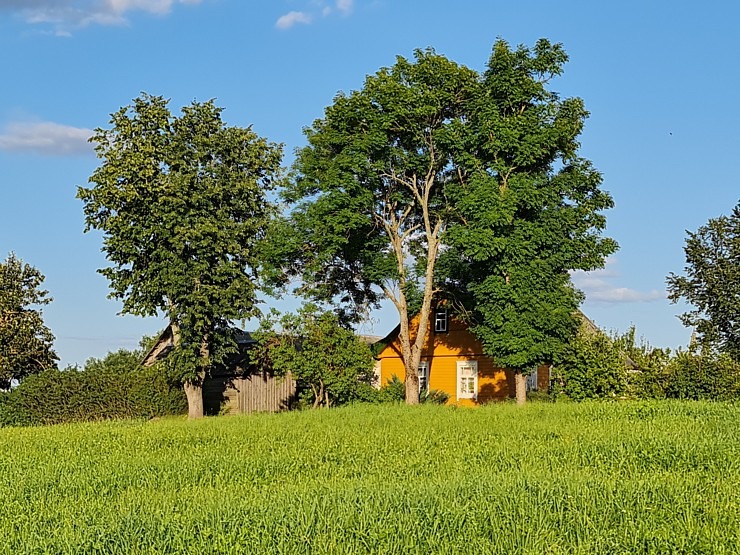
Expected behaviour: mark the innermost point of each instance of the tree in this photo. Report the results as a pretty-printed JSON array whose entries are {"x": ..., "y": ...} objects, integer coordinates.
[
  {"x": 321, "y": 354},
  {"x": 712, "y": 282},
  {"x": 435, "y": 182},
  {"x": 369, "y": 198},
  {"x": 25, "y": 342},
  {"x": 528, "y": 212},
  {"x": 181, "y": 202}
]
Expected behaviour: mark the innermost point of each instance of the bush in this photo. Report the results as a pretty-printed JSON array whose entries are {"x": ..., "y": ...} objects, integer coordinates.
[
  {"x": 114, "y": 387},
  {"x": 394, "y": 391},
  {"x": 591, "y": 367},
  {"x": 705, "y": 375},
  {"x": 330, "y": 364}
]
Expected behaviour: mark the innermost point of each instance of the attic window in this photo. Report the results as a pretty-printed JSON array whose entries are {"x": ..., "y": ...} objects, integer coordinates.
[{"x": 440, "y": 320}]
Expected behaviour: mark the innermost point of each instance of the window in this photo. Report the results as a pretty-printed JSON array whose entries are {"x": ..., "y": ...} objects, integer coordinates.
[
  {"x": 532, "y": 381},
  {"x": 423, "y": 376},
  {"x": 467, "y": 379},
  {"x": 440, "y": 320}
]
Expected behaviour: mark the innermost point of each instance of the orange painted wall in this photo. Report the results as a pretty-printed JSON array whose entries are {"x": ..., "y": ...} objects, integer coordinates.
[{"x": 442, "y": 351}]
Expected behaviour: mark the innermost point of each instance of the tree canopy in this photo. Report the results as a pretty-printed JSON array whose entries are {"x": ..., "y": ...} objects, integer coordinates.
[
  {"x": 25, "y": 341},
  {"x": 712, "y": 282},
  {"x": 435, "y": 182},
  {"x": 369, "y": 203},
  {"x": 529, "y": 212},
  {"x": 182, "y": 204}
]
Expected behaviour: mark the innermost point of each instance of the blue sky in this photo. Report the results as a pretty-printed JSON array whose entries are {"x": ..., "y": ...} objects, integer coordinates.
[{"x": 659, "y": 79}]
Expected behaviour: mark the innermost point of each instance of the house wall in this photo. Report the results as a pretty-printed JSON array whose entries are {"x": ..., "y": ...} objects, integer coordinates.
[
  {"x": 244, "y": 395},
  {"x": 442, "y": 351}
]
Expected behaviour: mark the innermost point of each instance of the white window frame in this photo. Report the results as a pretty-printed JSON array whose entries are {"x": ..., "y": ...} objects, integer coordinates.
[
  {"x": 440, "y": 320},
  {"x": 467, "y": 376},
  {"x": 423, "y": 372},
  {"x": 532, "y": 381}
]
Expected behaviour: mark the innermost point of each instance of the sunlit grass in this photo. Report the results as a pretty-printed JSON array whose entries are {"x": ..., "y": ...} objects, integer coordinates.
[{"x": 563, "y": 478}]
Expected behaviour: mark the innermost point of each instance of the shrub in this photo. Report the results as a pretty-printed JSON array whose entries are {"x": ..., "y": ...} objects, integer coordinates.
[
  {"x": 394, "y": 391},
  {"x": 703, "y": 375},
  {"x": 592, "y": 366},
  {"x": 114, "y": 387}
]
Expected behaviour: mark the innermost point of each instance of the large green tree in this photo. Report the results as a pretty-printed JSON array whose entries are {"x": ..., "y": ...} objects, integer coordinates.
[
  {"x": 712, "y": 282},
  {"x": 434, "y": 181},
  {"x": 181, "y": 201},
  {"x": 25, "y": 341},
  {"x": 529, "y": 212},
  {"x": 369, "y": 199}
]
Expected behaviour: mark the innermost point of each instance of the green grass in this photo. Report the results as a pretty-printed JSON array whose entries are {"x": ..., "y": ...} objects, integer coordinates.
[{"x": 590, "y": 478}]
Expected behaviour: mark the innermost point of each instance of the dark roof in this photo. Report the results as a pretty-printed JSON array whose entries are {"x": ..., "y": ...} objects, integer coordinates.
[{"x": 165, "y": 343}]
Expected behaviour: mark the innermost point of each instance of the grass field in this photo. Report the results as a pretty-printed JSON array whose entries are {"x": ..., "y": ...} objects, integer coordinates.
[{"x": 590, "y": 478}]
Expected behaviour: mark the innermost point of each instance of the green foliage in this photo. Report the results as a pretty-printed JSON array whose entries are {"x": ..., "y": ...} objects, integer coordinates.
[
  {"x": 376, "y": 164},
  {"x": 702, "y": 375},
  {"x": 116, "y": 386},
  {"x": 591, "y": 366},
  {"x": 25, "y": 342},
  {"x": 393, "y": 391},
  {"x": 435, "y": 179},
  {"x": 530, "y": 211},
  {"x": 575, "y": 479},
  {"x": 434, "y": 397},
  {"x": 712, "y": 282},
  {"x": 646, "y": 366},
  {"x": 181, "y": 201},
  {"x": 327, "y": 360},
  {"x": 368, "y": 202}
]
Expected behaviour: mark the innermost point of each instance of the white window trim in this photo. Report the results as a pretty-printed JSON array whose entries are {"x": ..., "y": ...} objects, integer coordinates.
[
  {"x": 461, "y": 365},
  {"x": 423, "y": 371},
  {"x": 441, "y": 320},
  {"x": 532, "y": 381}
]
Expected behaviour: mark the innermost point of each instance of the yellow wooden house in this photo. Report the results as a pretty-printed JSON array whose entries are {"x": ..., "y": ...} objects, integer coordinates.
[{"x": 453, "y": 361}]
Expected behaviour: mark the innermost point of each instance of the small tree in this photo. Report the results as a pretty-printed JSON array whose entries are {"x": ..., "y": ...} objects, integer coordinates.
[
  {"x": 182, "y": 204},
  {"x": 712, "y": 282},
  {"x": 321, "y": 354},
  {"x": 25, "y": 342}
]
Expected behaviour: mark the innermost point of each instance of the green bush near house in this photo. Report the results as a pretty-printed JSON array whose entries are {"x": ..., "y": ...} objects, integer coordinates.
[
  {"x": 591, "y": 366},
  {"x": 696, "y": 375},
  {"x": 110, "y": 388}
]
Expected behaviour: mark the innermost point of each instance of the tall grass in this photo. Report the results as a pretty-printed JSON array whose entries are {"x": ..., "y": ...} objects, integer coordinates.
[{"x": 660, "y": 477}]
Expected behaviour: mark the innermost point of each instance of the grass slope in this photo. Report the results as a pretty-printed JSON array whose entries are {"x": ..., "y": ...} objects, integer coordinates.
[{"x": 564, "y": 478}]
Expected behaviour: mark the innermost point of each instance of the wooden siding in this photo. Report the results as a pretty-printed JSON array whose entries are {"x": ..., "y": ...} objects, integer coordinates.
[
  {"x": 244, "y": 395},
  {"x": 442, "y": 351}
]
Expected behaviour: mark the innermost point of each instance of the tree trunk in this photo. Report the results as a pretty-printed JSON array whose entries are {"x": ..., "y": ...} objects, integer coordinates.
[
  {"x": 194, "y": 393},
  {"x": 521, "y": 387},
  {"x": 412, "y": 388},
  {"x": 193, "y": 389}
]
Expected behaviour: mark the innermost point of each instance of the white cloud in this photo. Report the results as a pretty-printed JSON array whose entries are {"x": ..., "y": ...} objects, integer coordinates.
[
  {"x": 317, "y": 7},
  {"x": 599, "y": 286},
  {"x": 293, "y": 18},
  {"x": 46, "y": 138},
  {"x": 66, "y": 14},
  {"x": 345, "y": 6}
]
